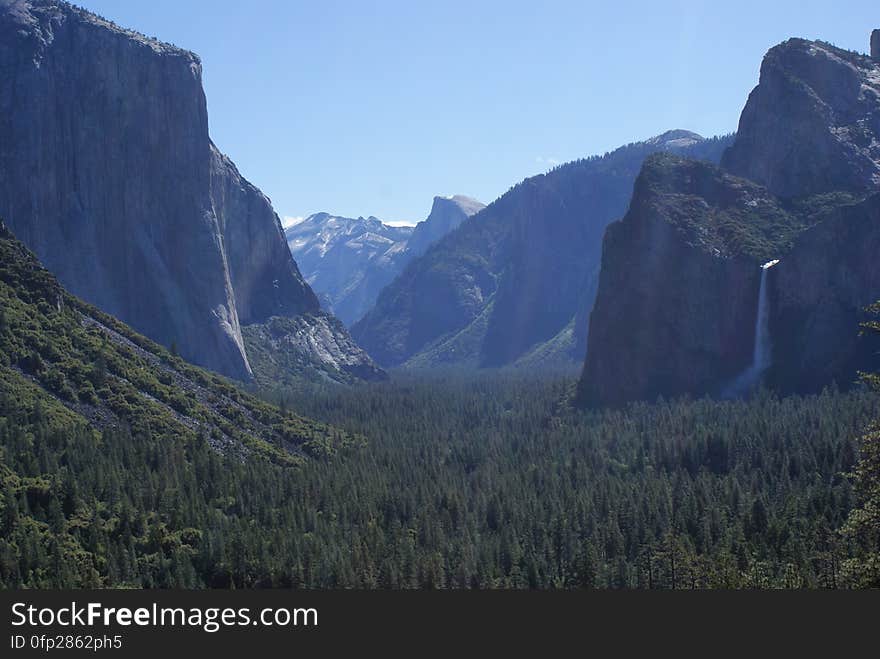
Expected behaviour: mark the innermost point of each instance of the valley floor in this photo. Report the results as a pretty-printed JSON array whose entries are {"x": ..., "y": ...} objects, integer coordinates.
[
  {"x": 489, "y": 481},
  {"x": 484, "y": 481}
]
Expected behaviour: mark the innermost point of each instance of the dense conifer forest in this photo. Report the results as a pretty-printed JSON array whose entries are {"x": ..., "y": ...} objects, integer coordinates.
[
  {"x": 122, "y": 466},
  {"x": 463, "y": 482}
]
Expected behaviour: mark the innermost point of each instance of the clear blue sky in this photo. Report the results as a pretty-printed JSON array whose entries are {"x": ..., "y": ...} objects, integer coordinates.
[{"x": 372, "y": 108}]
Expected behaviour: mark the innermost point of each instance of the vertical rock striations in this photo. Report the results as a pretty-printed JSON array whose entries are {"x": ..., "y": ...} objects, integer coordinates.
[
  {"x": 265, "y": 278},
  {"x": 818, "y": 297},
  {"x": 107, "y": 173}
]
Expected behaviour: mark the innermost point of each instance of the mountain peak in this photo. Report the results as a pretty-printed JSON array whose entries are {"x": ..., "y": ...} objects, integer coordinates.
[
  {"x": 36, "y": 17},
  {"x": 447, "y": 213},
  {"x": 675, "y": 138},
  {"x": 814, "y": 89},
  {"x": 468, "y": 205},
  {"x": 341, "y": 256},
  {"x": 349, "y": 261}
]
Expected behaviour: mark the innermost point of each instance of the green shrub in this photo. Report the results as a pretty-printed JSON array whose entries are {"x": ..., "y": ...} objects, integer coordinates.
[{"x": 87, "y": 393}]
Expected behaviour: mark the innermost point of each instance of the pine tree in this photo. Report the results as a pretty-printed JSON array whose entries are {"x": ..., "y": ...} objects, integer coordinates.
[{"x": 863, "y": 523}]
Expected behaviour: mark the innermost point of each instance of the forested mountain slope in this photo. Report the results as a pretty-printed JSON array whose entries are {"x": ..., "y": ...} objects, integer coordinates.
[
  {"x": 515, "y": 282},
  {"x": 85, "y": 368},
  {"x": 681, "y": 283},
  {"x": 489, "y": 485}
]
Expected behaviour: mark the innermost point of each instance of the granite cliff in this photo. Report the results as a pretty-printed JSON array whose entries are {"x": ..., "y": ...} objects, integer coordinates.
[
  {"x": 678, "y": 292},
  {"x": 108, "y": 174},
  {"x": 447, "y": 214},
  {"x": 676, "y": 306},
  {"x": 811, "y": 124},
  {"x": 818, "y": 298}
]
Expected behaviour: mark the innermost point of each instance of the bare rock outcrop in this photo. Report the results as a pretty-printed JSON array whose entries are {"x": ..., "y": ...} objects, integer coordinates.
[
  {"x": 679, "y": 287},
  {"x": 812, "y": 123}
]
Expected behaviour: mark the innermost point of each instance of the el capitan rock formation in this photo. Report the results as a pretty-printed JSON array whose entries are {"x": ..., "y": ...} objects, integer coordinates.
[{"x": 108, "y": 174}]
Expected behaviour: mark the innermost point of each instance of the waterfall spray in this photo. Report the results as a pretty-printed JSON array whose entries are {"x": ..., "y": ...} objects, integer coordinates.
[{"x": 762, "y": 352}]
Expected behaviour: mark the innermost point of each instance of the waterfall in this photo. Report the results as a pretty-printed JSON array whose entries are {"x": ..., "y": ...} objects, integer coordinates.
[
  {"x": 762, "y": 352},
  {"x": 761, "y": 355}
]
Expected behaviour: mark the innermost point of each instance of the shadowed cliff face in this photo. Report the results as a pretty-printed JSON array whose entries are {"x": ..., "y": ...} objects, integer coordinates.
[
  {"x": 678, "y": 290},
  {"x": 818, "y": 297},
  {"x": 514, "y": 283},
  {"x": 107, "y": 173},
  {"x": 676, "y": 307},
  {"x": 266, "y": 280}
]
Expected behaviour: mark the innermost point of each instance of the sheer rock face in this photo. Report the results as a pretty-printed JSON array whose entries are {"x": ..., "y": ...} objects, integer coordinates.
[
  {"x": 676, "y": 306},
  {"x": 811, "y": 124},
  {"x": 447, "y": 214},
  {"x": 818, "y": 298},
  {"x": 265, "y": 278},
  {"x": 674, "y": 317},
  {"x": 514, "y": 283},
  {"x": 107, "y": 173}
]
